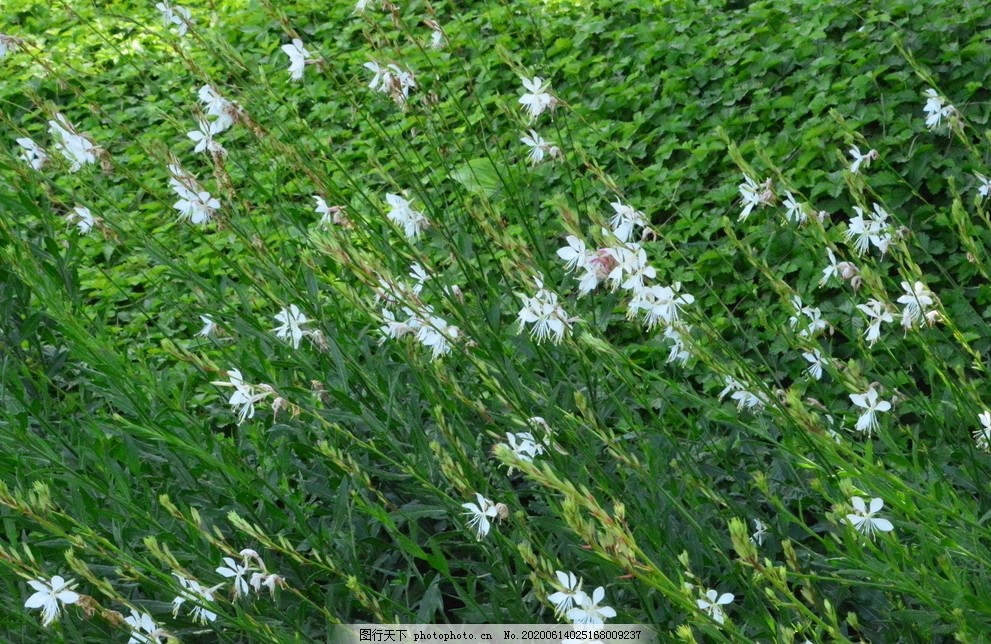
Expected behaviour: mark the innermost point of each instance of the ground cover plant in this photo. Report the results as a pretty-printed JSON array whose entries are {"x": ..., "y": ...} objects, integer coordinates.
[{"x": 639, "y": 312}]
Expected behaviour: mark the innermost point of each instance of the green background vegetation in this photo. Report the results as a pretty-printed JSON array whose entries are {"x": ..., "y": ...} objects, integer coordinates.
[{"x": 122, "y": 463}]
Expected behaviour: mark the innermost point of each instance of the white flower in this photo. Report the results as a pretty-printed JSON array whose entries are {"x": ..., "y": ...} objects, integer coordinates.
[
  {"x": 936, "y": 109},
  {"x": 861, "y": 159},
  {"x": 391, "y": 80},
  {"x": 878, "y": 312},
  {"x": 536, "y": 99},
  {"x": 298, "y": 57},
  {"x": 661, "y": 303},
  {"x": 197, "y": 207},
  {"x": 868, "y": 401},
  {"x": 209, "y": 326},
  {"x": 175, "y": 15},
  {"x": 569, "y": 595},
  {"x": 361, "y": 5},
  {"x": 437, "y": 38},
  {"x": 816, "y": 363},
  {"x": 269, "y": 580},
  {"x": 394, "y": 328},
  {"x": 982, "y": 436},
  {"x": 816, "y": 323},
  {"x": 873, "y": 229},
  {"x": 984, "y": 189},
  {"x": 47, "y": 596},
  {"x": 196, "y": 594},
  {"x": 539, "y": 148},
  {"x": 329, "y": 214},
  {"x": 713, "y": 604},
  {"x": 480, "y": 514},
  {"x": 420, "y": 277},
  {"x": 744, "y": 399},
  {"x": 75, "y": 147},
  {"x": 760, "y": 533},
  {"x": 436, "y": 334},
  {"x": 291, "y": 325},
  {"x": 547, "y": 317},
  {"x": 864, "y": 521},
  {"x": 794, "y": 211},
  {"x": 195, "y": 203},
  {"x": 83, "y": 218},
  {"x": 203, "y": 138},
  {"x": 679, "y": 350},
  {"x": 236, "y": 571},
  {"x": 625, "y": 219},
  {"x": 245, "y": 395},
  {"x": 844, "y": 270},
  {"x": 631, "y": 269},
  {"x": 218, "y": 106},
  {"x": 401, "y": 214},
  {"x": 524, "y": 446},
  {"x": 917, "y": 300},
  {"x": 144, "y": 630},
  {"x": 588, "y": 610},
  {"x": 752, "y": 195},
  {"x": 33, "y": 154},
  {"x": 575, "y": 254}
]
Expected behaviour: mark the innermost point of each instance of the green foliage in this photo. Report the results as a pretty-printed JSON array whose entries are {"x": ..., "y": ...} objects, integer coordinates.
[{"x": 124, "y": 463}]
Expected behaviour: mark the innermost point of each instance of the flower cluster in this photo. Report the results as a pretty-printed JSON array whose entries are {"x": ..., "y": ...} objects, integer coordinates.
[
  {"x": 391, "y": 80},
  {"x": 238, "y": 572},
  {"x": 245, "y": 395},
  {"x": 542, "y": 310},
  {"x": 844, "y": 270},
  {"x": 402, "y": 214},
  {"x": 78, "y": 149},
  {"x": 418, "y": 319},
  {"x": 225, "y": 112},
  {"x": 815, "y": 323},
  {"x": 291, "y": 321},
  {"x": 252, "y": 563},
  {"x": 203, "y": 135},
  {"x": 754, "y": 195},
  {"x": 175, "y": 15},
  {"x": 572, "y": 602},
  {"x": 524, "y": 446},
  {"x": 917, "y": 300},
  {"x": 795, "y": 210},
  {"x": 199, "y": 596},
  {"x": 877, "y": 312},
  {"x": 195, "y": 203},
  {"x": 144, "y": 630},
  {"x": 744, "y": 397},
  {"x": 624, "y": 265},
  {"x": 873, "y": 229}
]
